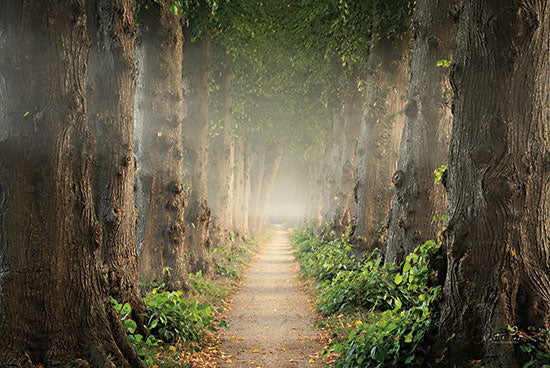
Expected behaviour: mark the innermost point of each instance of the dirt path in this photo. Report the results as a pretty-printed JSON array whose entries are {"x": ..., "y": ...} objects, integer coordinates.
[{"x": 271, "y": 318}]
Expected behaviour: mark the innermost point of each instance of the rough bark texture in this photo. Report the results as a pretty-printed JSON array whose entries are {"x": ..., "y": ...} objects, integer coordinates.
[
  {"x": 110, "y": 100},
  {"x": 335, "y": 169},
  {"x": 426, "y": 134},
  {"x": 54, "y": 298},
  {"x": 196, "y": 71},
  {"x": 273, "y": 161},
  {"x": 322, "y": 190},
  {"x": 245, "y": 206},
  {"x": 309, "y": 194},
  {"x": 378, "y": 146},
  {"x": 239, "y": 189},
  {"x": 256, "y": 181},
  {"x": 347, "y": 207},
  {"x": 221, "y": 162},
  {"x": 498, "y": 247},
  {"x": 159, "y": 139}
]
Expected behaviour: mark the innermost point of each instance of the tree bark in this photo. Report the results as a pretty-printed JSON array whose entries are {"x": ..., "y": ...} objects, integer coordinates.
[
  {"x": 498, "y": 248},
  {"x": 338, "y": 133},
  {"x": 273, "y": 161},
  {"x": 247, "y": 196},
  {"x": 221, "y": 157},
  {"x": 378, "y": 145},
  {"x": 159, "y": 136},
  {"x": 55, "y": 304},
  {"x": 347, "y": 207},
  {"x": 426, "y": 134},
  {"x": 239, "y": 189},
  {"x": 256, "y": 181},
  {"x": 110, "y": 100},
  {"x": 195, "y": 127}
]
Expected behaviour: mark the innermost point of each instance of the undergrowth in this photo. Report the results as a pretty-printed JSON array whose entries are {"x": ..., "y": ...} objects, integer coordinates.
[
  {"x": 181, "y": 327},
  {"x": 391, "y": 307}
]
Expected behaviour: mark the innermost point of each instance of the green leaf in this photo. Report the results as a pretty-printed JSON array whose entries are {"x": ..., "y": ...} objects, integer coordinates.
[
  {"x": 398, "y": 279},
  {"x": 174, "y": 10},
  {"x": 130, "y": 326},
  {"x": 126, "y": 309}
]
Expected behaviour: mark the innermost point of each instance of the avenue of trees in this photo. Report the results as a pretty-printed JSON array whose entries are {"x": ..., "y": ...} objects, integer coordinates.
[{"x": 139, "y": 136}]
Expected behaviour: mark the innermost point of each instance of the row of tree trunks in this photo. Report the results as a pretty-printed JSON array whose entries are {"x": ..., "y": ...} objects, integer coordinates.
[
  {"x": 346, "y": 207},
  {"x": 271, "y": 168},
  {"x": 239, "y": 219},
  {"x": 378, "y": 146},
  {"x": 425, "y": 140},
  {"x": 197, "y": 73},
  {"x": 55, "y": 303},
  {"x": 159, "y": 103},
  {"x": 221, "y": 163},
  {"x": 256, "y": 180},
  {"x": 498, "y": 247},
  {"x": 333, "y": 193}
]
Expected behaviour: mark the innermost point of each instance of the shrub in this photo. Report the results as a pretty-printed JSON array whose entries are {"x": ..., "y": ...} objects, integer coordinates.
[
  {"x": 401, "y": 296},
  {"x": 169, "y": 317}
]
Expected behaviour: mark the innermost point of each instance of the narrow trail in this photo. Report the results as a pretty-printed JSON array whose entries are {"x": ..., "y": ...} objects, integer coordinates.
[{"x": 271, "y": 318}]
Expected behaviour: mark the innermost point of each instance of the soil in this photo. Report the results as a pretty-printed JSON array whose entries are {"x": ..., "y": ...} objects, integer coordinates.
[{"x": 271, "y": 318}]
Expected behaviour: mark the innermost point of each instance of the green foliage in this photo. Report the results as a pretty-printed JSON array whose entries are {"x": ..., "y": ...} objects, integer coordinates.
[
  {"x": 439, "y": 173},
  {"x": 368, "y": 285},
  {"x": 444, "y": 63},
  {"x": 142, "y": 346},
  {"x": 228, "y": 265},
  {"x": 169, "y": 317},
  {"x": 401, "y": 297},
  {"x": 322, "y": 260},
  {"x": 534, "y": 343}
]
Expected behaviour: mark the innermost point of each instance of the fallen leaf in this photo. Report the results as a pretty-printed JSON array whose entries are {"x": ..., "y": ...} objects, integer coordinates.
[{"x": 255, "y": 351}]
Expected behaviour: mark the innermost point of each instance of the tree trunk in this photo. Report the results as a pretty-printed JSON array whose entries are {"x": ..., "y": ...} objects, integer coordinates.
[
  {"x": 378, "y": 145},
  {"x": 310, "y": 179},
  {"x": 256, "y": 181},
  {"x": 245, "y": 206},
  {"x": 334, "y": 176},
  {"x": 426, "y": 134},
  {"x": 55, "y": 304},
  {"x": 323, "y": 188},
  {"x": 239, "y": 189},
  {"x": 195, "y": 127},
  {"x": 159, "y": 136},
  {"x": 221, "y": 155},
  {"x": 498, "y": 248},
  {"x": 273, "y": 161},
  {"x": 110, "y": 100},
  {"x": 347, "y": 208}
]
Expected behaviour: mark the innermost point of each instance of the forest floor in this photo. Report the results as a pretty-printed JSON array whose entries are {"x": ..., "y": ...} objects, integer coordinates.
[{"x": 270, "y": 318}]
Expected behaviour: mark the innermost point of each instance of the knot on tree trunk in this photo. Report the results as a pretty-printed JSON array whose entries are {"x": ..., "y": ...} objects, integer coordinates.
[
  {"x": 176, "y": 187},
  {"x": 411, "y": 109},
  {"x": 97, "y": 235},
  {"x": 127, "y": 160},
  {"x": 398, "y": 179}
]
